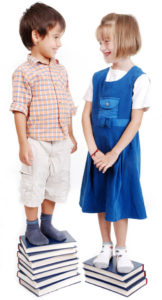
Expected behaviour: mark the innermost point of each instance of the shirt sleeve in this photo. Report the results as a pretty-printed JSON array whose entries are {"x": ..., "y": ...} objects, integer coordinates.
[
  {"x": 73, "y": 108},
  {"x": 142, "y": 93},
  {"x": 89, "y": 93},
  {"x": 21, "y": 93}
]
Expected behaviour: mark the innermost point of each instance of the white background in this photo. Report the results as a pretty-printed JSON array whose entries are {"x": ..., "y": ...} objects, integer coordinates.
[{"x": 81, "y": 56}]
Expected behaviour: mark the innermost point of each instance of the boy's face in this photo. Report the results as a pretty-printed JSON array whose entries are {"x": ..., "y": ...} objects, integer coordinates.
[{"x": 48, "y": 46}]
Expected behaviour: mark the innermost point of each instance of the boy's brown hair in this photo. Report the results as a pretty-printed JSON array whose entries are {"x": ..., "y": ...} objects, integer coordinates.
[
  {"x": 125, "y": 30},
  {"x": 40, "y": 17}
]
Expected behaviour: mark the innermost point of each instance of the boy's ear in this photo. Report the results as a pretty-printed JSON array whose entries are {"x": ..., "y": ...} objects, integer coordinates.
[{"x": 35, "y": 37}]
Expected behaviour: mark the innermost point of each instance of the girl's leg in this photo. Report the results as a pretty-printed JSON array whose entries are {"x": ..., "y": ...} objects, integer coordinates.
[
  {"x": 120, "y": 228},
  {"x": 103, "y": 259},
  {"x": 46, "y": 222},
  {"x": 105, "y": 228},
  {"x": 33, "y": 233},
  {"x": 124, "y": 264}
]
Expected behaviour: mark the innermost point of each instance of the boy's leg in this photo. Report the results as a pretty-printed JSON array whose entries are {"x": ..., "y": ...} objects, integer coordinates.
[
  {"x": 46, "y": 222},
  {"x": 103, "y": 259},
  {"x": 124, "y": 264},
  {"x": 31, "y": 213},
  {"x": 48, "y": 207},
  {"x": 33, "y": 233},
  {"x": 57, "y": 186},
  {"x": 32, "y": 188}
]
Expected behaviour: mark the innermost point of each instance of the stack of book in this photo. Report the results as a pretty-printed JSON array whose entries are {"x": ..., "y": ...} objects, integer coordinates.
[
  {"x": 124, "y": 284},
  {"x": 43, "y": 269}
]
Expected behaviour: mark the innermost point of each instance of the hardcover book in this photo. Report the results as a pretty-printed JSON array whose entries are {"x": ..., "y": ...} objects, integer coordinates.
[
  {"x": 111, "y": 271},
  {"x": 51, "y": 287},
  {"x": 53, "y": 245}
]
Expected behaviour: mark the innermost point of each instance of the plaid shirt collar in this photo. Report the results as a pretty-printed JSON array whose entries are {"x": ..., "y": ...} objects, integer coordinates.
[{"x": 35, "y": 60}]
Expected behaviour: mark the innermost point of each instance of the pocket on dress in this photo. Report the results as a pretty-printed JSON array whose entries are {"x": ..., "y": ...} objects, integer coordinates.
[{"x": 108, "y": 109}]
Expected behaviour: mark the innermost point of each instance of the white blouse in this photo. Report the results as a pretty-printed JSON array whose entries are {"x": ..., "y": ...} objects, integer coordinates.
[{"x": 141, "y": 91}]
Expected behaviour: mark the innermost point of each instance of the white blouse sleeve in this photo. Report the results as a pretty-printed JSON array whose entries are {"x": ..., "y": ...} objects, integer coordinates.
[
  {"x": 142, "y": 93},
  {"x": 89, "y": 93}
]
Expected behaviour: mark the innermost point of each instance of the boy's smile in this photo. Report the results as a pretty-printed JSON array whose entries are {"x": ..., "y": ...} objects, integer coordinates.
[{"x": 46, "y": 48}]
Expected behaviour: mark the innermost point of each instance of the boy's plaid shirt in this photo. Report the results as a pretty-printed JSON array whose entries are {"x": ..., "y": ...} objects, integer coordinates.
[{"x": 41, "y": 92}]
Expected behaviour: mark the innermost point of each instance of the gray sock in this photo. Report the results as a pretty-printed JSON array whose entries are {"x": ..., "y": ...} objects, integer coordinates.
[
  {"x": 34, "y": 235},
  {"x": 48, "y": 230}
]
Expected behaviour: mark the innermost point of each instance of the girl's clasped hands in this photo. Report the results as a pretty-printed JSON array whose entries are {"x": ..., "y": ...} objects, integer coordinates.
[{"x": 104, "y": 161}]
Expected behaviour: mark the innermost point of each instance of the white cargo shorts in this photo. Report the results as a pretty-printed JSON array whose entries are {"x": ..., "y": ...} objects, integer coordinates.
[{"x": 49, "y": 176}]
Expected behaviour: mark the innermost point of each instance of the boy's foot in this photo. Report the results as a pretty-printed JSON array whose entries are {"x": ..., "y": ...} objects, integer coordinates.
[
  {"x": 48, "y": 230},
  {"x": 34, "y": 235},
  {"x": 102, "y": 260},
  {"x": 124, "y": 264}
]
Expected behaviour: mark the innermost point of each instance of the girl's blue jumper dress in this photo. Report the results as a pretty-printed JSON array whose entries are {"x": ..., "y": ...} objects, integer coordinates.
[{"x": 117, "y": 192}]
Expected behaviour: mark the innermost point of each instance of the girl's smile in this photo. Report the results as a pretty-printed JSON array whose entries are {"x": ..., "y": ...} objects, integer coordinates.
[{"x": 107, "y": 53}]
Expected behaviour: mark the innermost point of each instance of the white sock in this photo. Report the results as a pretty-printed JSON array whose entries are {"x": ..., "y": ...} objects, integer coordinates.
[
  {"x": 124, "y": 264},
  {"x": 103, "y": 258}
]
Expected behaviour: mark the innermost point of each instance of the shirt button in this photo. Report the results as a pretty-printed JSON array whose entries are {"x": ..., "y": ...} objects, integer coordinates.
[{"x": 107, "y": 103}]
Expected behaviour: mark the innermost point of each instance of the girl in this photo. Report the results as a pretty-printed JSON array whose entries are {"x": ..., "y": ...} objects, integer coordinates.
[{"x": 113, "y": 112}]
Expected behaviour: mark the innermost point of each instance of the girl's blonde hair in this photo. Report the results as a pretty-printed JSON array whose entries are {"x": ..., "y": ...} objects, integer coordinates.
[{"x": 125, "y": 30}]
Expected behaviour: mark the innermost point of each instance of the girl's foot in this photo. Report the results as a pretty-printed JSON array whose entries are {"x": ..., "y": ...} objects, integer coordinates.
[
  {"x": 102, "y": 260},
  {"x": 124, "y": 264},
  {"x": 34, "y": 235}
]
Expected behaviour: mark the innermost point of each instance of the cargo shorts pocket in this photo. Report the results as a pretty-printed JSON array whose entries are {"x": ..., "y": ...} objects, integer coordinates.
[
  {"x": 26, "y": 181},
  {"x": 108, "y": 109}
]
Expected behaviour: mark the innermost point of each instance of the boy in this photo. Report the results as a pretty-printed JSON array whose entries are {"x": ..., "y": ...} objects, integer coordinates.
[{"x": 43, "y": 110}]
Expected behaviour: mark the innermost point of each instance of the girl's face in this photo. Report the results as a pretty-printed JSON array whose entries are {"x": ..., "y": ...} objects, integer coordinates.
[{"x": 107, "y": 45}]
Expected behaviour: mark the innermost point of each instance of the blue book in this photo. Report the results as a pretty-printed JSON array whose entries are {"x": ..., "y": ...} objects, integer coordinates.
[
  {"x": 53, "y": 286},
  {"x": 45, "y": 262},
  {"x": 46, "y": 254},
  {"x": 37, "y": 283},
  {"x": 48, "y": 267},
  {"x": 111, "y": 271},
  {"x": 120, "y": 290},
  {"x": 53, "y": 245},
  {"x": 124, "y": 284},
  {"x": 48, "y": 273}
]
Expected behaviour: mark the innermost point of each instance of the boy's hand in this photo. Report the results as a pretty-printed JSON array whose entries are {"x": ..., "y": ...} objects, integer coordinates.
[
  {"x": 25, "y": 154},
  {"x": 106, "y": 161},
  {"x": 74, "y": 143}
]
